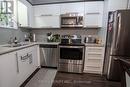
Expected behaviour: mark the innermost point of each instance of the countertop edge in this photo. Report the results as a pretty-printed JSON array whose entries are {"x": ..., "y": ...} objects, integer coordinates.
[
  {"x": 39, "y": 43},
  {"x": 26, "y": 46},
  {"x": 12, "y": 50}
]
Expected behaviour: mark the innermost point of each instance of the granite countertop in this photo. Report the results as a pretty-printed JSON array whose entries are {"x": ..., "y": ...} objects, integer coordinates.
[
  {"x": 4, "y": 49},
  {"x": 94, "y": 45}
]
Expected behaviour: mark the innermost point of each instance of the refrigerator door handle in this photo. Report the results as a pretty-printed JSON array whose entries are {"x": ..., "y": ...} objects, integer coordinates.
[{"x": 119, "y": 29}]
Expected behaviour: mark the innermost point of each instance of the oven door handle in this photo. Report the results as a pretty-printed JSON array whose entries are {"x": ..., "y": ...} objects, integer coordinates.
[{"x": 71, "y": 46}]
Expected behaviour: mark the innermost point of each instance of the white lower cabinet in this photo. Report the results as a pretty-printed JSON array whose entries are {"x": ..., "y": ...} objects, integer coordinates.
[
  {"x": 94, "y": 57},
  {"x": 16, "y": 67},
  {"x": 9, "y": 70},
  {"x": 25, "y": 63}
]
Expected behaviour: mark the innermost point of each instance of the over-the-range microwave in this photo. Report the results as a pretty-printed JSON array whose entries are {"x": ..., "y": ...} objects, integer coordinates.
[{"x": 74, "y": 20}]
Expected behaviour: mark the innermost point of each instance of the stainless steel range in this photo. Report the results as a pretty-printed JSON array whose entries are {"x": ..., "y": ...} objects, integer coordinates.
[{"x": 71, "y": 57}]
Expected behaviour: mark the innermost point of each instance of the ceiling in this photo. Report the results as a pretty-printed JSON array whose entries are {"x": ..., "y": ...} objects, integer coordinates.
[{"x": 39, "y": 2}]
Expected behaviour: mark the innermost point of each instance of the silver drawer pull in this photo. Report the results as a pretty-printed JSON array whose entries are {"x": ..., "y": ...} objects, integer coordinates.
[
  {"x": 24, "y": 57},
  {"x": 17, "y": 62}
]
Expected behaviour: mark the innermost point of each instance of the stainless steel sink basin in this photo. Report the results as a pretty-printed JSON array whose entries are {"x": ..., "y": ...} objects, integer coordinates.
[{"x": 15, "y": 45}]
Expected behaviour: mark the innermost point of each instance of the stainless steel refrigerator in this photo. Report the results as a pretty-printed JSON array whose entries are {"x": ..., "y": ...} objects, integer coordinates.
[{"x": 117, "y": 42}]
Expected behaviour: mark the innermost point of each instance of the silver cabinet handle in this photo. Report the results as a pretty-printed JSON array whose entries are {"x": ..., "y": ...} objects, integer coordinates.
[
  {"x": 17, "y": 62},
  {"x": 30, "y": 58},
  {"x": 23, "y": 58}
]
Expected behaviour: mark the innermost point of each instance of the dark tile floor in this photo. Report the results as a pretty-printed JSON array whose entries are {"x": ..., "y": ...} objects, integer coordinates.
[{"x": 82, "y": 80}]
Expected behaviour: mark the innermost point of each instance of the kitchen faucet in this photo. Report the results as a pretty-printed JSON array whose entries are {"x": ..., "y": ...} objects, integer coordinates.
[
  {"x": 10, "y": 40},
  {"x": 13, "y": 40}
]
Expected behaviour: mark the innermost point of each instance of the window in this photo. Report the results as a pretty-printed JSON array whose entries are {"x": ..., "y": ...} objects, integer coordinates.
[{"x": 8, "y": 13}]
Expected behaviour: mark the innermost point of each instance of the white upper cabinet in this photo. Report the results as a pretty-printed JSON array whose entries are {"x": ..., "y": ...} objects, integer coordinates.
[
  {"x": 47, "y": 22},
  {"x": 22, "y": 14},
  {"x": 25, "y": 14},
  {"x": 93, "y": 14},
  {"x": 47, "y": 16},
  {"x": 47, "y": 10},
  {"x": 72, "y": 7},
  {"x": 92, "y": 7}
]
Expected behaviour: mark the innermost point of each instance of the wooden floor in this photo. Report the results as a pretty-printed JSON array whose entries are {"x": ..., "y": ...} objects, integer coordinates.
[{"x": 82, "y": 80}]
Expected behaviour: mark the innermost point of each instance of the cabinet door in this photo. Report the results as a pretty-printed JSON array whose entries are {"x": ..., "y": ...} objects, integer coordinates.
[
  {"x": 8, "y": 70},
  {"x": 33, "y": 59},
  {"x": 23, "y": 65},
  {"x": 47, "y": 21},
  {"x": 36, "y": 56},
  {"x": 53, "y": 9},
  {"x": 93, "y": 14},
  {"x": 22, "y": 14},
  {"x": 27, "y": 59},
  {"x": 72, "y": 7},
  {"x": 47, "y": 16},
  {"x": 94, "y": 57}
]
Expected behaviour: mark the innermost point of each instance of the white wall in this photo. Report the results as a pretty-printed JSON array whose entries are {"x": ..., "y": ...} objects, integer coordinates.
[
  {"x": 103, "y": 30},
  {"x": 117, "y": 4},
  {"x": 129, "y": 4}
]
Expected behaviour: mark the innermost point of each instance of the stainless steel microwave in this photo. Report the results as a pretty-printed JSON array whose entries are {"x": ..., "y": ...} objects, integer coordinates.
[{"x": 71, "y": 20}]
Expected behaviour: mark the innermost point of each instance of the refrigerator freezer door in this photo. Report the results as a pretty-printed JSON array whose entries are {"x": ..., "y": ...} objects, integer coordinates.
[
  {"x": 118, "y": 41},
  {"x": 114, "y": 69},
  {"x": 109, "y": 41},
  {"x": 121, "y": 34}
]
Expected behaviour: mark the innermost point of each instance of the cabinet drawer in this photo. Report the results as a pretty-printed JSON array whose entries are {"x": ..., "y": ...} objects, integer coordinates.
[
  {"x": 91, "y": 69},
  {"x": 91, "y": 62},
  {"x": 94, "y": 56},
  {"x": 95, "y": 49}
]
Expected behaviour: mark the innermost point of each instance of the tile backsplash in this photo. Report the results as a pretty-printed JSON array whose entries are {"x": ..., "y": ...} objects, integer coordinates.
[
  {"x": 6, "y": 34},
  {"x": 41, "y": 34}
]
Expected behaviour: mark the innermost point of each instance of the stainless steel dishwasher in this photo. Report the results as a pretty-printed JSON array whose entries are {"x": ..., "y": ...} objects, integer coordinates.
[{"x": 49, "y": 55}]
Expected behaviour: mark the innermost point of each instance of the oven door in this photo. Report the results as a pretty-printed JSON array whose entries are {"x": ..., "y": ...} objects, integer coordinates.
[
  {"x": 71, "y": 52},
  {"x": 71, "y": 59}
]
